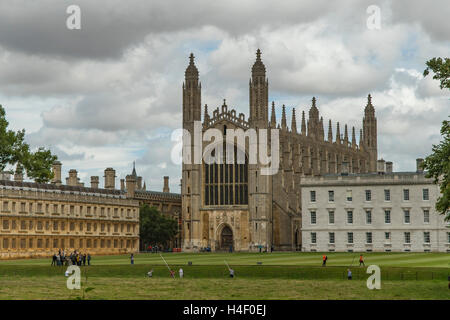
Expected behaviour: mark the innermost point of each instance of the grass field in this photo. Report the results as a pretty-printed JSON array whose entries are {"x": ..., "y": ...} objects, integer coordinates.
[{"x": 279, "y": 276}]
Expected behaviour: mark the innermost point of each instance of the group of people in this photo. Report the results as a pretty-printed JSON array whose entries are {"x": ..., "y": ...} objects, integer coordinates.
[{"x": 74, "y": 258}]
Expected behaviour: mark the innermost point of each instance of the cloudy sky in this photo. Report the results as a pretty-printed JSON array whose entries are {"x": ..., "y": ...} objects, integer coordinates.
[{"x": 110, "y": 93}]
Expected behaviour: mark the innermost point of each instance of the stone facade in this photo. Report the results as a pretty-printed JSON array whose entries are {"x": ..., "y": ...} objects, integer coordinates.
[
  {"x": 372, "y": 212},
  {"x": 262, "y": 210},
  {"x": 38, "y": 219}
]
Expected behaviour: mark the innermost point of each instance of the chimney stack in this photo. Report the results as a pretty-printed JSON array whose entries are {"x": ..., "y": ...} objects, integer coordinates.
[
  {"x": 389, "y": 167},
  {"x": 122, "y": 184},
  {"x": 166, "y": 184},
  {"x": 110, "y": 178},
  {"x": 139, "y": 183},
  {"x": 95, "y": 180},
  {"x": 381, "y": 166},
  {"x": 73, "y": 179},
  {"x": 419, "y": 162},
  {"x": 131, "y": 185},
  {"x": 56, "y": 168}
]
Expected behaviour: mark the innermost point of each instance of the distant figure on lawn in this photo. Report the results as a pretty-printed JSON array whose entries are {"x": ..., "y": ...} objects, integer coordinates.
[
  {"x": 89, "y": 259},
  {"x": 349, "y": 274},
  {"x": 231, "y": 273},
  {"x": 54, "y": 260},
  {"x": 361, "y": 261},
  {"x": 150, "y": 273},
  {"x": 181, "y": 273},
  {"x": 172, "y": 274},
  {"x": 132, "y": 258},
  {"x": 324, "y": 260}
]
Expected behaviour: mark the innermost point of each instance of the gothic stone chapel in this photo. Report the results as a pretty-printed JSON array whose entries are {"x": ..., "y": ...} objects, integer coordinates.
[{"x": 232, "y": 205}]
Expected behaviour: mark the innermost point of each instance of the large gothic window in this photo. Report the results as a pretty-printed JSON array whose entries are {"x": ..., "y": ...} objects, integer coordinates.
[{"x": 225, "y": 184}]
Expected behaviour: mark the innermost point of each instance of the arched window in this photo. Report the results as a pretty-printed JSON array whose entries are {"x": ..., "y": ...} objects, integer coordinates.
[{"x": 225, "y": 184}]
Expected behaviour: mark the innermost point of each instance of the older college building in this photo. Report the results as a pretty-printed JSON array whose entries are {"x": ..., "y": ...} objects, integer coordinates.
[{"x": 39, "y": 219}]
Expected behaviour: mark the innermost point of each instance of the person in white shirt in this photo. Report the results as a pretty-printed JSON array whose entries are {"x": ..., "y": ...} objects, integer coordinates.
[
  {"x": 180, "y": 272},
  {"x": 150, "y": 273}
]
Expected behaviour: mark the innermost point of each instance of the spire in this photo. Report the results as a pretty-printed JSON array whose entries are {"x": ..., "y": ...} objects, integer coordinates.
[
  {"x": 330, "y": 132},
  {"x": 346, "y": 136},
  {"x": 303, "y": 124},
  {"x": 353, "y": 138},
  {"x": 294, "y": 122},
  {"x": 134, "y": 169},
  {"x": 321, "y": 131},
  {"x": 283, "y": 119},
  {"x": 338, "y": 134},
  {"x": 144, "y": 187},
  {"x": 273, "y": 119},
  {"x": 258, "y": 68},
  {"x": 361, "y": 139},
  {"x": 191, "y": 71}
]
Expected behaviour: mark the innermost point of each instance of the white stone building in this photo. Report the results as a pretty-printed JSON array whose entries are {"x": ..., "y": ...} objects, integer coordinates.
[{"x": 384, "y": 211}]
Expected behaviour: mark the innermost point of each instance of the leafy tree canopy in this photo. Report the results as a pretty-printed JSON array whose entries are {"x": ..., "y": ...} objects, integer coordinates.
[
  {"x": 441, "y": 69},
  {"x": 438, "y": 163},
  {"x": 154, "y": 227},
  {"x": 14, "y": 151}
]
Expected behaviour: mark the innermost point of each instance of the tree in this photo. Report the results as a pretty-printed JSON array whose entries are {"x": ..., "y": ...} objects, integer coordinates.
[
  {"x": 437, "y": 164},
  {"x": 154, "y": 227},
  {"x": 441, "y": 69},
  {"x": 14, "y": 151}
]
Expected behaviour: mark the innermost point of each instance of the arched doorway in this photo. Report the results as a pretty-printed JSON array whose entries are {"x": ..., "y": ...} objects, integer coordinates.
[{"x": 226, "y": 238}]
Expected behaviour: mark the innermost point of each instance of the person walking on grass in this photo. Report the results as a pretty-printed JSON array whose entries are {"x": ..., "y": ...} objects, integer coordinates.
[
  {"x": 361, "y": 260},
  {"x": 89, "y": 259},
  {"x": 349, "y": 274},
  {"x": 231, "y": 273},
  {"x": 324, "y": 260},
  {"x": 54, "y": 260},
  {"x": 132, "y": 258},
  {"x": 150, "y": 273},
  {"x": 181, "y": 273}
]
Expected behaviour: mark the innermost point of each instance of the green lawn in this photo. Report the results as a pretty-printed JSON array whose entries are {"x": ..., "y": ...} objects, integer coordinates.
[
  {"x": 438, "y": 260},
  {"x": 280, "y": 276}
]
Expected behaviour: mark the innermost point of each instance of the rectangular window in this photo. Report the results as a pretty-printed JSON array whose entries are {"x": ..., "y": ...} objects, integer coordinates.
[
  {"x": 387, "y": 195},
  {"x": 312, "y": 196},
  {"x": 406, "y": 194},
  {"x": 407, "y": 237},
  {"x": 350, "y": 237},
  {"x": 313, "y": 217},
  {"x": 331, "y": 196},
  {"x": 5, "y": 224},
  {"x": 425, "y": 194},
  {"x": 349, "y": 195},
  {"x": 5, "y": 206},
  {"x": 387, "y": 216},
  {"x": 368, "y": 237},
  {"x": 313, "y": 237},
  {"x": 331, "y": 217},
  {"x": 426, "y": 237},
  {"x": 387, "y": 236},
  {"x": 368, "y": 217},
  {"x": 426, "y": 216},
  {"x": 448, "y": 237},
  {"x": 407, "y": 216},
  {"x": 331, "y": 237},
  {"x": 350, "y": 217},
  {"x": 368, "y": 195}
]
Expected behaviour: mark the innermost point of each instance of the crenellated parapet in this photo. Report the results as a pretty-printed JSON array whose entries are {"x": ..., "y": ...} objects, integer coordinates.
[{"x": 221, "y": 114}]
